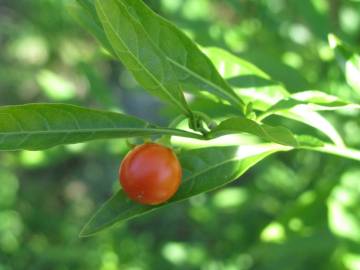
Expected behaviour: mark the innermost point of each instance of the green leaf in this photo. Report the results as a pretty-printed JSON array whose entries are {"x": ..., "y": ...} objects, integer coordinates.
[
  {"x": 314, "y": 100},
  {"x": 309, "y": 141},
  {"x": 234, "y": 125},
  {"x": 344, "y": 217},
  {"x": 304, "y": 114},
  {"x": 139, "y": 54},
  {"x": 348, "y": 59},
  {"x": 336, "y": 150},
  {"x": 318, "y": 100},
  {"x": 204, "y": 170},
  {"x": 303, "y": 107},
  {"x": 41, "y": 126},
  {"x": 230, "y": 66},
  {"x": 315, "y": 144},
  {"x": 273, "y": 98},
  {"x": 250, "y": 83},
  {"x": 193, "y": 69}
]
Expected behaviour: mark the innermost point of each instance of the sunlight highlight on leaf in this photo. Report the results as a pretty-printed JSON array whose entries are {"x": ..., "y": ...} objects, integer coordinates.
[
  {"x": 274, "y": 232},
  {"x": 303, "y": 114}
]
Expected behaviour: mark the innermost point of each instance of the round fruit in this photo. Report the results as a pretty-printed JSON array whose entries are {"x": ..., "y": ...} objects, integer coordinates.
[{"x": 150, "y": 174}]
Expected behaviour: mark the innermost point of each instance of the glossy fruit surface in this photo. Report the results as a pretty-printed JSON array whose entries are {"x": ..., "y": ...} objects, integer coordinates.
[{"x": 150, "y": 174}]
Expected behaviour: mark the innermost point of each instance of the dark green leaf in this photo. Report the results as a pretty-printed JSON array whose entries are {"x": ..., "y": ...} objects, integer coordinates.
[
  {"x": 204, "y": 170},
  {"x": 279, "y": 134},
  {"x": 144, "y": 58},
  {"x": 41, "y": 126},
  {"x": 193, "y": 69}
]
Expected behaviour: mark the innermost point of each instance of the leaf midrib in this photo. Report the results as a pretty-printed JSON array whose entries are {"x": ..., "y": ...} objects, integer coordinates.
[
  {"x": 201, "y": 78},
  {"x": 97, "y": 130},
  {"x": 184, "y": 67},
  {"x": 139, "y": 63}
]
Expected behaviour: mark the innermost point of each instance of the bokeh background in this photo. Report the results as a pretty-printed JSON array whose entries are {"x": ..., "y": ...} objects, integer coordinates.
[{"x": 298, "y": 210}]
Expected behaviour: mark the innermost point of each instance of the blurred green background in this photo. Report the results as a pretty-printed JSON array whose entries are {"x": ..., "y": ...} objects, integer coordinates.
[{"x": 298, "y": 210}]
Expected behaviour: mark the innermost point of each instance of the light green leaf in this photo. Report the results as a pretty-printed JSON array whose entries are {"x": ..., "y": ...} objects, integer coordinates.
[
  {"x": 204, "y": 170},
  {"x": 230, "y": 66},
  {"x": 318, "y": 100},
  {"x": 235, "y": 125},
  {"x": 344, "y": 219},
  {"x": 337, "y": 151},
  {"x": 56, "y": 87},
  {"x": 314, "y": 100},
  {"x": 250, "y": 83},
  {"x": 305, "y": 115},
  {"x": 348, "y": 59},
  {"x": 41, "y": 126},
  {"x": 133, "y": 46},
  {"x": 315, "y": 144},
  {"x": 303, "y": 107},
  {"x": 274, "y": 99},
  {"x": 310, "y": 141}
]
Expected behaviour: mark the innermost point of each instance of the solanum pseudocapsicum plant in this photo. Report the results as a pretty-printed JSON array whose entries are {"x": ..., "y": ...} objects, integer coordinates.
[{"x": 167, "y": 64}]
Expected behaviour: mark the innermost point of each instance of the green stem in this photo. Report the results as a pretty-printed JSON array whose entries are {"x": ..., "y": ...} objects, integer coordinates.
[
  {"x": 178, "y": 120},
  {"x": 179, "y": 133},
  {"x": 209, "y": 122}
]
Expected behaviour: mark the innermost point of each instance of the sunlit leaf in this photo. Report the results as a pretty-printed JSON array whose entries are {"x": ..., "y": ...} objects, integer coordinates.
[
  {"x": 343, "y": 207},
  {"x": 306, "y": 140},
  {"x": 303, "y": 114},
  {"x": 56, "y": 87},
  {"x": 302, "y": 107},
  {"x": 348, "y": 59},
  {"x": 311, "y": 100},
  {"x": 279, "y": 135},
  {"x": 315, "y": 144},
  {"x": 337, "y": 151},
  {"x": 318, "y": 100},
  {"x": 250, "y": 83}
]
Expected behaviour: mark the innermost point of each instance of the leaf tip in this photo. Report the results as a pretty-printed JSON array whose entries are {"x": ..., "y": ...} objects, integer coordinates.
[{"x": 85, "y": 231}]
